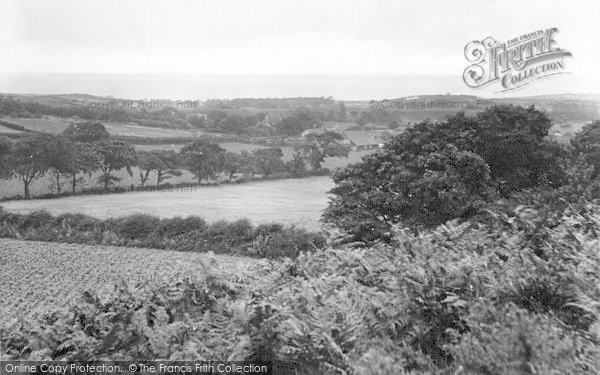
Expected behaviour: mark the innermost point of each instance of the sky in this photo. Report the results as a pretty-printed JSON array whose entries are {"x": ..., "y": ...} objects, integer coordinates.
[{"x": 267, "y": 37}]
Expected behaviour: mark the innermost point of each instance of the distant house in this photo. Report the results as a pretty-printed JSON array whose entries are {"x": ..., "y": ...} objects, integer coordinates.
[
  {"x": 374, "y": 126},
  {"x": 334, "y": 126},
  {"x": 329, "y": 126},
  {"x": 315, "y": 131},
  {"x": 364, "y": 140}
]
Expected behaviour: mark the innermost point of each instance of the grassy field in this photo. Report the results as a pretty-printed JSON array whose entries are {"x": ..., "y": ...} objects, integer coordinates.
[
  {"x": 56, "y": 125},
  {"x": 229, "y": 146},
  {"x": 293, "y": 201},
  {"x": 5, "y": 130},
  {"x": 45, "y": 185},
  {"x": 38, "y": 277}
]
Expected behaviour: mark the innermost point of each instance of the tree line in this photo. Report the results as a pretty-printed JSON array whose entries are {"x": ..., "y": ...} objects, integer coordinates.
[{"x": 85, "y": 148}]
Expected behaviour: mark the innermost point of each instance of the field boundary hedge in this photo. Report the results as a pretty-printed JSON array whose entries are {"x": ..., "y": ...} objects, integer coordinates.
[{"x": 180, "y": 234}]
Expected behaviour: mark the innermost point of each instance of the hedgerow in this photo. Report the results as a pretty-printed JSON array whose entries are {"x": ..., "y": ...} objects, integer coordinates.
[{"x": 181, "y": 234}]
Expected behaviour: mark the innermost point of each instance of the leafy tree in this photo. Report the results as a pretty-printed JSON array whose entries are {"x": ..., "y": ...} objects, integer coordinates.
[
  {"x": 203, "y": 159},
  {"x": 393, "y": 125},
  {"x": 296, "y": 166},
  {"x": 510, "y": 139},
  {"x": 163, "y": 162},
  {"x": 251, "y": 165},
  {"x": 291, "y": 126},
  {"x": 197, "y": 121},
  {"x": 5, "y": 145},
  {"x": 89, "y": 131},
  {"x": 417, "y": 189},
  {"x": 320, "y": 146},
  {"x": 233, "y": 124},
  {"x": 10, "y": 105},
  {"x": 586, "y": 144},
  {"x": 60, "y": 160},
  {"x": 215, "y": 116},
  {"x": 269, "y": 160},
  {"x": 295, "y": 124},
  {"x": 234, "y": 163},
  {"x": 31, "y": 157},
  {"x": 114, "y": 156},
  {"x": 434, "y": 172},
  {"x": 84, "y": 158}
]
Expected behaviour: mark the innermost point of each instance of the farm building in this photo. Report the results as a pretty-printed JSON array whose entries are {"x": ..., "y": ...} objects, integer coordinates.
[
  {"x": 334, "y": 126},
  {"x": 330, "y": 126},
  {"x": 307, "y": 132},
  {"x": 374, "y": 126},
  {"x": 364, "y": 140}
]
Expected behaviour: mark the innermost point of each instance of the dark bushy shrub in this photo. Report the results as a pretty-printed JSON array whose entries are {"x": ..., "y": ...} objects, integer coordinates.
[
  {"x": 275, "y": 241},
  {"x": 177, "y": 226},
  {"x": 137, "y": 226},
  {"x": 266, "y": 229},
  {"x": 81, "y": 222},
  {"x": 37, "y": 219},
  {"x": 222, "y": 236}
]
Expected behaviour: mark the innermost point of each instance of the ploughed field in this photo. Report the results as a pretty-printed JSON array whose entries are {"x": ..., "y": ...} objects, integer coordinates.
[
  {"x": 40, "y": 277},
  {"x": 297, "y": 202}
]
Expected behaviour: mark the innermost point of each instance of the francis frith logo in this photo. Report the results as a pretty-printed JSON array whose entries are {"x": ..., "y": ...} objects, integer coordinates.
[{"x": 514, "y": 63}]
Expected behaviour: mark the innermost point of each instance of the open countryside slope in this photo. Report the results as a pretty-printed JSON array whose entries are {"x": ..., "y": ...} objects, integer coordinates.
[
  {"x": 45, "y": 184},
  {"x": 292, "y": 201},
  {"x": 6, "y": 130},
  {"x": 37, "y": 277},
  {"x": 56, "y": 125}
]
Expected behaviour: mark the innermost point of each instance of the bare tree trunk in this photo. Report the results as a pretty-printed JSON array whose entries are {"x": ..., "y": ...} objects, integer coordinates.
[
  {"x": 26, "y": 189},
  {"x": 57, "y": 176}
]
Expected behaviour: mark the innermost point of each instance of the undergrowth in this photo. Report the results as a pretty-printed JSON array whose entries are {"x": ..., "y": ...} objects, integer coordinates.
[{"x": 514, "y": 292}]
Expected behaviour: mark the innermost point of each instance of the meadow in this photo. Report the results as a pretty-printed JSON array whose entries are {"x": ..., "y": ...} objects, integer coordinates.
[
  {"x": 56, "y": 125},
  {"x": 45, "y": 184},
  {"x": 291, "y": 201},
  {"x": 237, "y": 147},
  {"x": 6, "y": 130}
]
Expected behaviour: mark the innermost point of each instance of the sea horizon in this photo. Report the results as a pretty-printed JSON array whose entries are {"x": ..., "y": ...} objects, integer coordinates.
[{"x": 215, "y": 86}]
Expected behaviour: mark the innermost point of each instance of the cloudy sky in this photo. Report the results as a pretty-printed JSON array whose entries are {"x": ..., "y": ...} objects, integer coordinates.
[{"x": 384, "y": 38}]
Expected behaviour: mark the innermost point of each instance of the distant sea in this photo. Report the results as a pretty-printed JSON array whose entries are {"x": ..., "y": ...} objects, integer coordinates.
[{"x": 191, "y": 87}]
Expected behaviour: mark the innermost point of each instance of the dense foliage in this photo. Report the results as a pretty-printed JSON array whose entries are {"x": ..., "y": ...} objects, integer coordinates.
[
  {"x": 182, "y": 234},
  {"x": 431, "y": 173},
  {"x": 514, "y": 292},
  {"x": 5, "y": 145}
]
